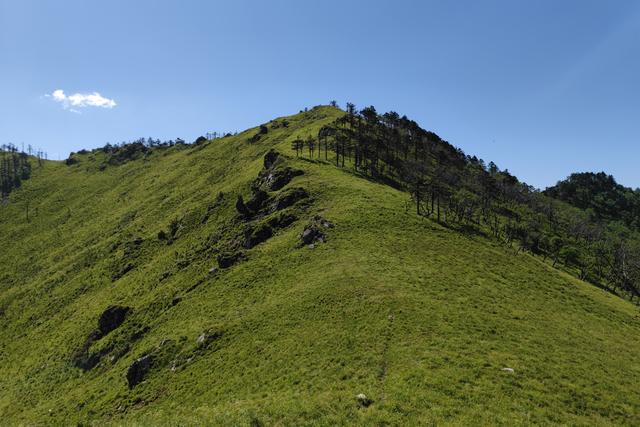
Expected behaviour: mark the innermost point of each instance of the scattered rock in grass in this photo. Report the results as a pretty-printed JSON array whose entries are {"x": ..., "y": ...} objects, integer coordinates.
[
  {"x": 201, "y": 339},
  {"x": 363, "y": 400},
  {"x": 208, "y": 337},
  {"x": 312, "y": 246},
  {"x": 138, "y": 369},
  {"x": 313, "y": 232},
  {"x": 213, "y": 270},
  {"x": 323, "y": 222},
  {"x": 508, "y": 370},
  {"x": 86, "y": 359},
  {"x": 226, "y": 260},
  {"x": 111, "y": 318}
]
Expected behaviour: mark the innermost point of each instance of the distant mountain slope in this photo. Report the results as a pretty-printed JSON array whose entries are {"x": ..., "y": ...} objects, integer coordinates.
[
  {"x": 601, "y": 194},
  {"x": 144, "y": 290}
]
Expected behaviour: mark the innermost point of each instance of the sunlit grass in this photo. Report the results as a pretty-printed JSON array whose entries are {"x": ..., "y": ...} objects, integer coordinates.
[{"x": 419, "y": 318}]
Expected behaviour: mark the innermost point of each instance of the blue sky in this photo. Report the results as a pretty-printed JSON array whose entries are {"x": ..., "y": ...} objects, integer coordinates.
[{"x": 543, "y": 88}]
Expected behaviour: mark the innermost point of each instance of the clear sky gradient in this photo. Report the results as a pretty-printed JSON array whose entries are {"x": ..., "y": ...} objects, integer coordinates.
[{"x": 543, "y": 88}]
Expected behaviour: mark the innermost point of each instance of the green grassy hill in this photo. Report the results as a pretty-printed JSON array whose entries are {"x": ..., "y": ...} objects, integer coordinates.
[{"x": 420, "y": 318}]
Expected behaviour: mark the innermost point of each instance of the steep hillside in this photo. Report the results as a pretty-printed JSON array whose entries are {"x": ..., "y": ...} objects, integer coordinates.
[{"x": 145, "y": 291}]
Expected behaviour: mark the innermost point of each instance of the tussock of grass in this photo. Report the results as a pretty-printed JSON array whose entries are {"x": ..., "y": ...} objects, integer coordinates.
[{"x": 419, "y": 318}]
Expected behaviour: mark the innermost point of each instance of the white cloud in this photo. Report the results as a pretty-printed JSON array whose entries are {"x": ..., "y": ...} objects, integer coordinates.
[{"x": 81, "y": 100}]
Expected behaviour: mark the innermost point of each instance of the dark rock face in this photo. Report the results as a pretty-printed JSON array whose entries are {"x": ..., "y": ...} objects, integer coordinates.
[
  {"x": 111, "y": 318},
  {"x": 227, "y": 260},
  {"x": 274, "y": 175},
  {"x": 242, "y": 208},
  {"x": 256, "y": 235},
  {"x": 138, "y": 370},
  {"x": 282, "y": 221},
  {"x": 277, "y": 179},
  {"x": 255, "y": 138},
  {"x": 270, "y": 158},
  {"x": 257, "y": 201},
  {"x": 289, "y": 198},
  {"x": 71, "y": 161},
  {"x": 86, "y": 361}
]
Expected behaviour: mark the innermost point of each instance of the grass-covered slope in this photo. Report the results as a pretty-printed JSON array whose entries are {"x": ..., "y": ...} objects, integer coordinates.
[{"x": 420, "y": 318}]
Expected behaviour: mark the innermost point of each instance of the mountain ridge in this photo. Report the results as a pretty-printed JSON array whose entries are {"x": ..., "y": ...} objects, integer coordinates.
[{"x": 421, "y": 317}]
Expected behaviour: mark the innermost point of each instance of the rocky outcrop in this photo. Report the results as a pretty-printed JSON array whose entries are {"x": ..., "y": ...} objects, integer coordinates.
[
  {"x": 226, "y": 260},
  {"x": 242, "y": 208},
  {"x": 138, "y": 370},
  {"x": 254, "y": 235},
  {"x": 111, "y": 318},
  {"x": 282, "y": 220},
  {"x": 258, "y": 201},
  {"x": 275, "y": 174},
  {"x": 277, "y": 179},
  {"x": 288, "y": 198},
  {"x": 270, "y": 159},
  {"x": 87, "y": 357}
]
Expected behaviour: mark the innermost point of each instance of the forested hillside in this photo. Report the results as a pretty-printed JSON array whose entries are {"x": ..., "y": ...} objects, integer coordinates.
[
  {"x": 14, "y": 168},
  {"x": 601, "y": 195},
  {"x": 598, "y": 241},
  {"x": 327, "y": 268}
]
